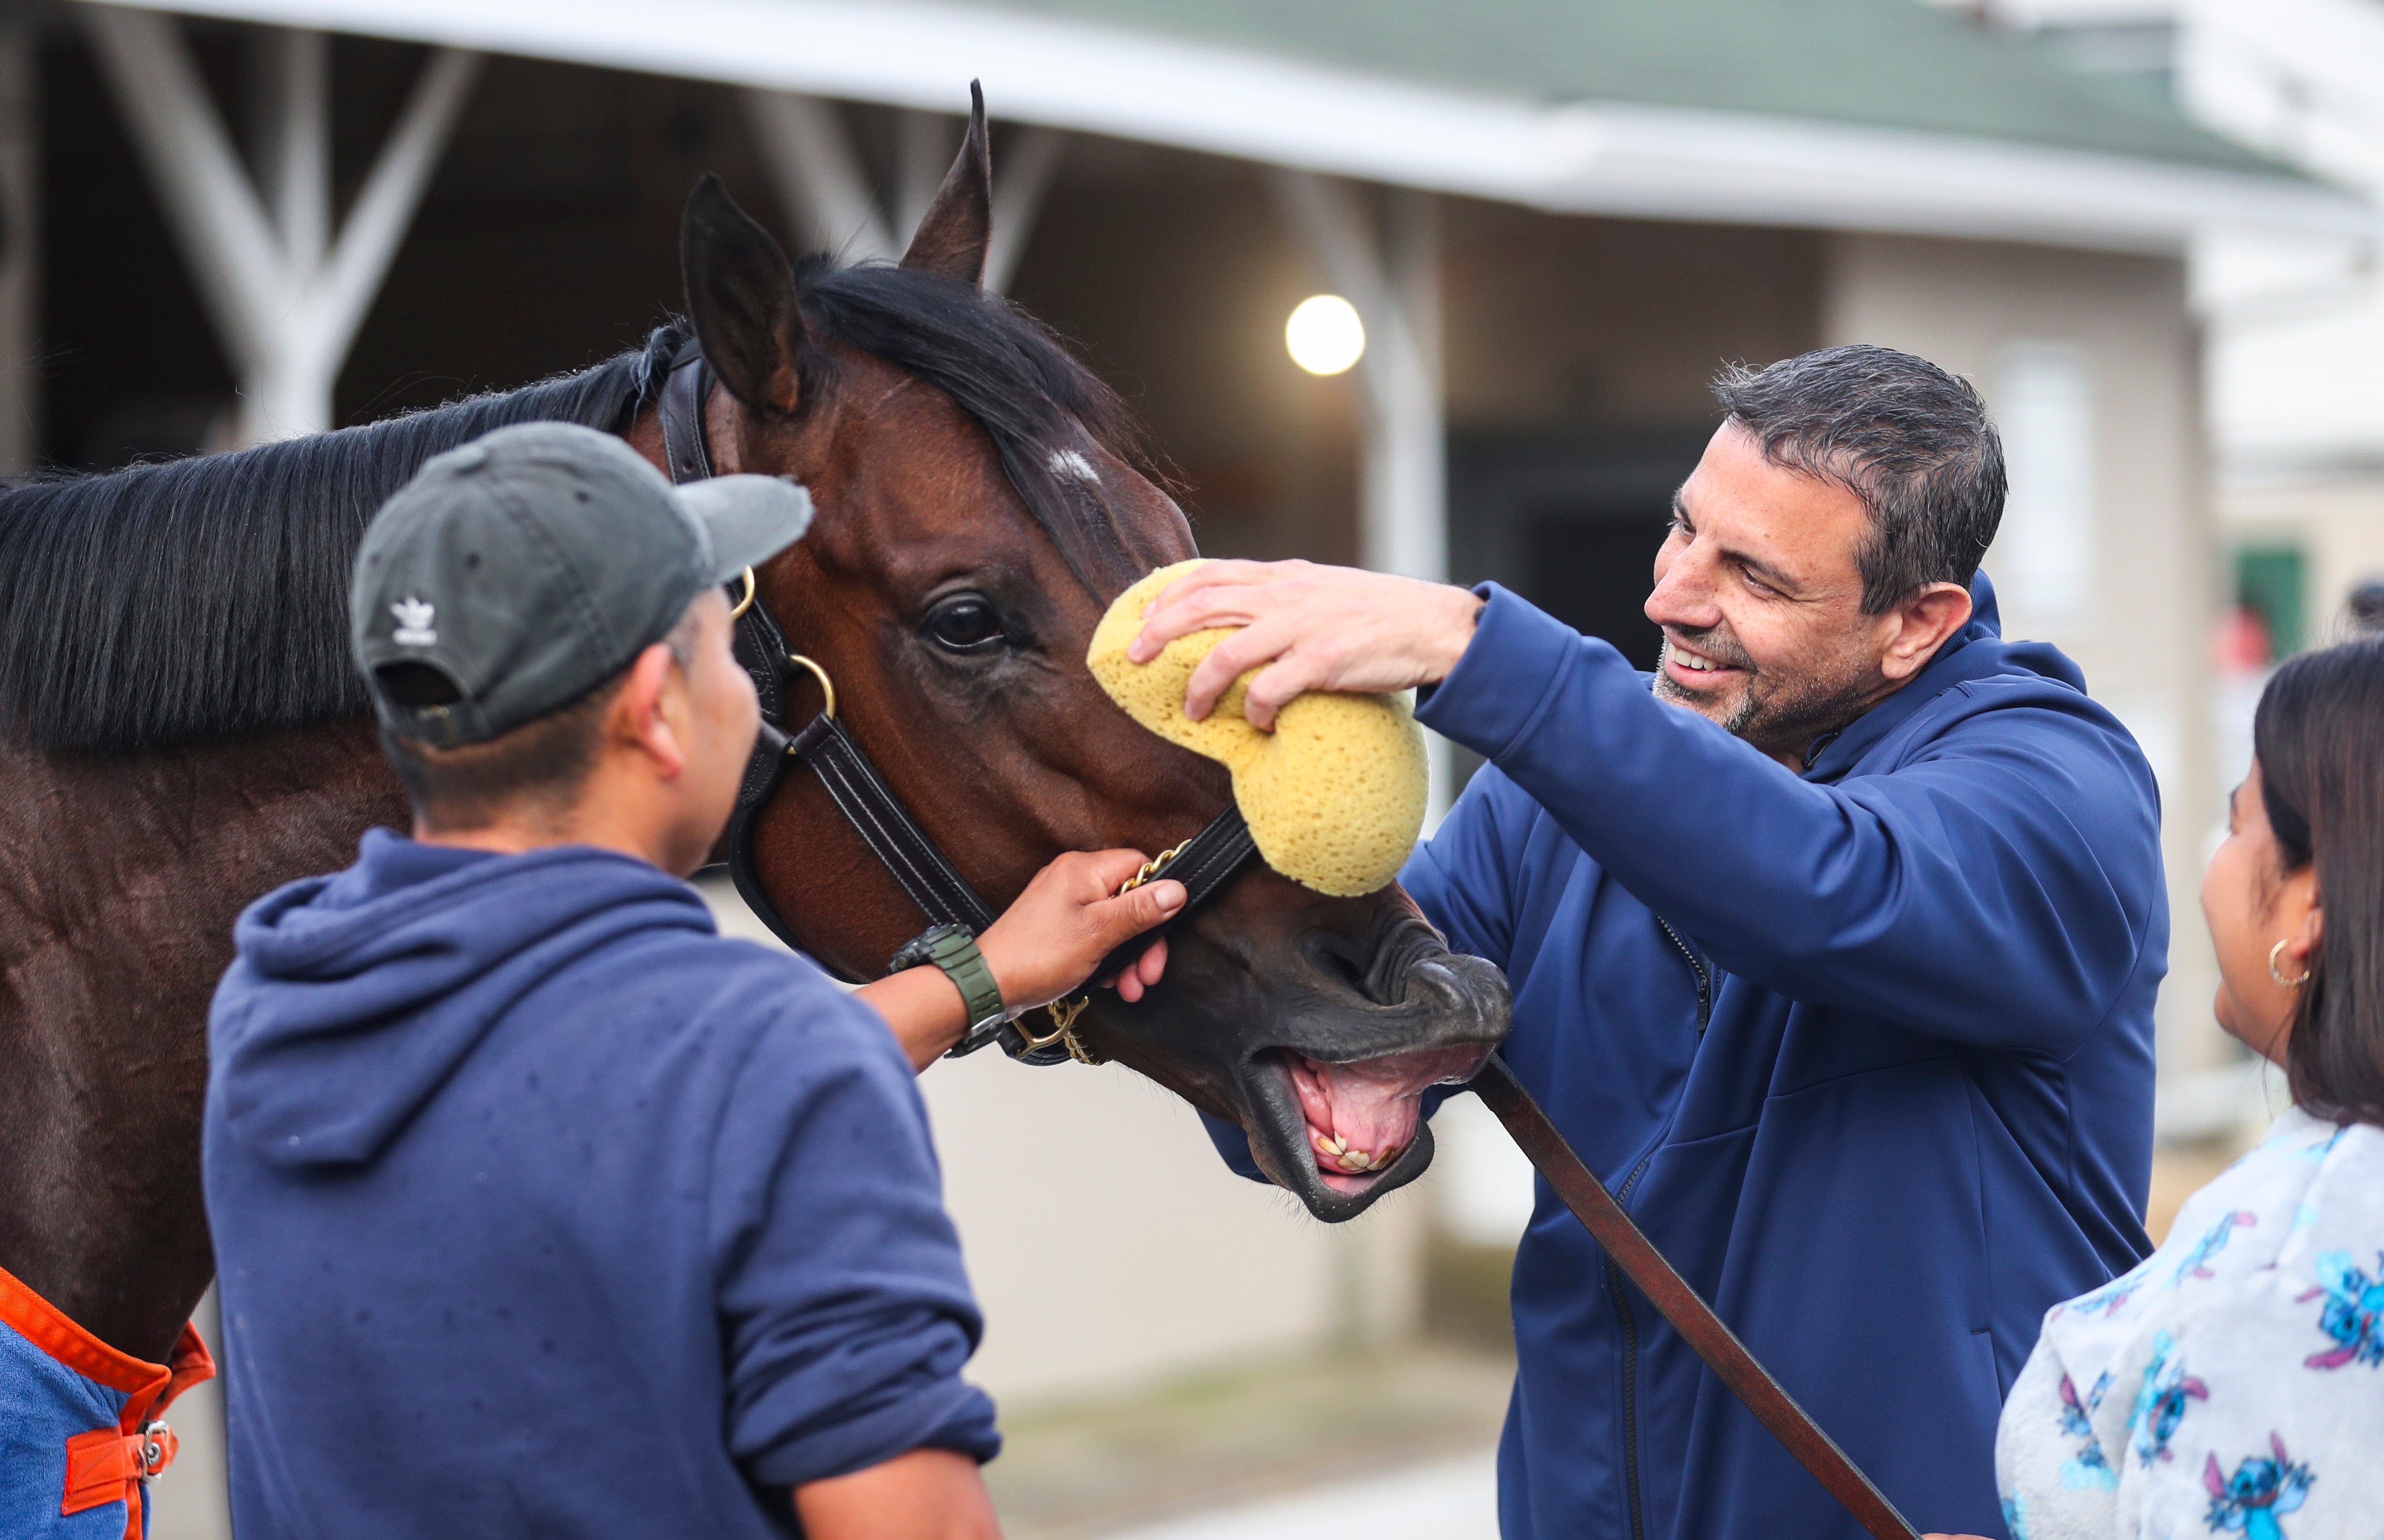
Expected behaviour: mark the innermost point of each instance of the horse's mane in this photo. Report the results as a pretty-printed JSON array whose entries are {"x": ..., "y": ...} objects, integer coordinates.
[
  {"x": 207, "y": 597},
  {"x": 1002, "y": 368}
]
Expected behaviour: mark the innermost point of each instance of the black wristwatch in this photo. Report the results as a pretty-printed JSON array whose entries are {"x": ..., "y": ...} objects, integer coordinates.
[{"x": 954, "y": 949}]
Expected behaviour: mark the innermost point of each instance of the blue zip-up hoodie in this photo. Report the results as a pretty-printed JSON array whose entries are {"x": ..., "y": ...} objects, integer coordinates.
[
  {"x": 541, "y": 1208},
  {"x": 1867, "y": 1052}
]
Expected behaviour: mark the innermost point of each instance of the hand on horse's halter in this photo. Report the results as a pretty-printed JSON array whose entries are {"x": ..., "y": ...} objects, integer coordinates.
[
  {"x": 1067, "y": 920},
  {"x": 1308, "y": 626}
]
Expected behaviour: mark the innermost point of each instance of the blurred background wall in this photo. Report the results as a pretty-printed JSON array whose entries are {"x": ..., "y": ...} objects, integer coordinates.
[{"x": 2146, "y": 230}]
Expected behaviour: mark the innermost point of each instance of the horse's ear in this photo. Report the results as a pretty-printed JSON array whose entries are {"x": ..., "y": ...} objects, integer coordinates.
[
  {"x": 741, "y": 294},
  {"x": 958, "y": 224}
]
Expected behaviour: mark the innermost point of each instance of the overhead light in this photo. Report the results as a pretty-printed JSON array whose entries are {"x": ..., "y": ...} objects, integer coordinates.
[{"x": 1324, "y": 334}]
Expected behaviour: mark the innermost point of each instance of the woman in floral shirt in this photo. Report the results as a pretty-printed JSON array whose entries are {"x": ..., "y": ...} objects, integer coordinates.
[{"x": 2234, "y": 1382}]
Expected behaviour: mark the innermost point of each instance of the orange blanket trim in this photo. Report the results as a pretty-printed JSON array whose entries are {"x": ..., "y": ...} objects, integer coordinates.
[{"x": 108, "y": 1465}]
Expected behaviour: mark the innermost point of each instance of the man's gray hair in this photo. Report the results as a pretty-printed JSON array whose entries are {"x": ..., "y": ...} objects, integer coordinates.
[{"x": 1912, "y": 440}]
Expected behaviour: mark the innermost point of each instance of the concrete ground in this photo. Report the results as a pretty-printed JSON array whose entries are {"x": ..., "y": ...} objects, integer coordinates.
[
  {"x": 1235, "y": 1448},
  {"x": 1446, "y": 1500}
]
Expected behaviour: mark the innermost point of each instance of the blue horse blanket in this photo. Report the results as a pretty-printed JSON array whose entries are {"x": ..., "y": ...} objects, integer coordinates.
[{"x": 79, "y": 1435}]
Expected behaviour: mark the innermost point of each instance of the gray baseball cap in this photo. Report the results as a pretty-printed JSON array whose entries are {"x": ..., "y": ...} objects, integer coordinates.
[{"x": 527, "y": 567}]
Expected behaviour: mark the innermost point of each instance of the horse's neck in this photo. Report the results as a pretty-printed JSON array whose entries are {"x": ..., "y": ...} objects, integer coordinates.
[{"x": 129, "y": 871}]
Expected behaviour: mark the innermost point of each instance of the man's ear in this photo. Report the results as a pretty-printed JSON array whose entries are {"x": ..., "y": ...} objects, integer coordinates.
[
  {"x": 741, "y": 294},
  {"x": 639, "y": 719},
  {"x": 1925, "y": 622}
]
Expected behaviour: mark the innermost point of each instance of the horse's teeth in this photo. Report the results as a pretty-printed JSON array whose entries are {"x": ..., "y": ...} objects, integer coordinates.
[
  {"x": 1354, "y": 1161},
  {"x": 1334, "y": 1143}
]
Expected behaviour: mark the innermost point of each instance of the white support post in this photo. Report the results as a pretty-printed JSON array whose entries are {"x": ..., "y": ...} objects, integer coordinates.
[
  {"x": 292, "y": 73},
  {"x": 819, "y": 176},
  {"x": 1018, "y": 189},
  {"x": 1394, "y": 284},
  {"x": 21, "y": 248},
  {"x": 286, "y": 297},
  {"x": 922, "y": 153},
  {"x": 825, "y": 190}
]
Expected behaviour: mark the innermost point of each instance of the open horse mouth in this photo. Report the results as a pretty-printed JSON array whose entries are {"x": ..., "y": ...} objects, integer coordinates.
[
  {"x": 1332, "y": 1100},
  {"x": 1362, "y": 1116}
]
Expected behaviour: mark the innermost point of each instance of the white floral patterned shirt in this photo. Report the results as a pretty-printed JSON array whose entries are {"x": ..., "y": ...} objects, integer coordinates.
[{"x": 2233, "y": 1384}]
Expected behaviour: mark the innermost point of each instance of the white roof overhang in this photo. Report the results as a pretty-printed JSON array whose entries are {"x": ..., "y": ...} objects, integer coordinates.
[{"x": 1602, "y": 158}]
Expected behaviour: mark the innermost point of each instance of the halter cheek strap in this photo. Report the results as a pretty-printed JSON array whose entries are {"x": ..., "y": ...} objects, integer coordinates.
[{"x": 1203, "y": 863}]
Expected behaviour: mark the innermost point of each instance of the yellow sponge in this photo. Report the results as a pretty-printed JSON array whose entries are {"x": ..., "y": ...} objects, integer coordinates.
[{"x": 1335, "y": 796}]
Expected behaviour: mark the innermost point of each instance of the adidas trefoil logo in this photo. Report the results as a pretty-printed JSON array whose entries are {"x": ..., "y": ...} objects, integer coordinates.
[{"x": 413, "y": 623}]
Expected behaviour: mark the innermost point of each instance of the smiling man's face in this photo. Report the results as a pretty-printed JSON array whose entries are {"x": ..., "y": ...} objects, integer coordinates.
[{"x": 1759, "y": 595}]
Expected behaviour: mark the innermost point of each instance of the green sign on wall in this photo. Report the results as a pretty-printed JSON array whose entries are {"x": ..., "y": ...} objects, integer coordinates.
[{"x": 2273, "y": 581}]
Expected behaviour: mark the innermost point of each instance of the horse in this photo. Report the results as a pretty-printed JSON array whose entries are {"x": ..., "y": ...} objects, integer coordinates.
[{"x": 182, "y": 731}]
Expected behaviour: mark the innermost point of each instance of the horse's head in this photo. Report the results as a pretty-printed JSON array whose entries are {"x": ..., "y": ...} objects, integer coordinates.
[{"x": 981, "y": 498}]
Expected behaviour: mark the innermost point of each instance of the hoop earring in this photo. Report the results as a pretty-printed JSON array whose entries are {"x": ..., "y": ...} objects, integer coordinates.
[{"x": 2277, "y": 951}]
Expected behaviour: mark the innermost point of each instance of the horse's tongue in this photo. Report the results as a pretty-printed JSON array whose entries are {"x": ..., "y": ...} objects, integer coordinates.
[{"x": 1359, "y": 1116}]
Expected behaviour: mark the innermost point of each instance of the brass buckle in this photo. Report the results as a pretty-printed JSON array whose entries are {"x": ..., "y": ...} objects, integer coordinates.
[
  {"x": 751, "y": 588},
  {"x": 828, "y": 686},
  {"x": 1063, "y": 1014}
]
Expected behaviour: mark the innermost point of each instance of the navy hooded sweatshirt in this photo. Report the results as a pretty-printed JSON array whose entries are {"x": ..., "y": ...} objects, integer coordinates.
[
  {"x": 541, "y": 1208},
  {"x": 1867, "y": 1051}
]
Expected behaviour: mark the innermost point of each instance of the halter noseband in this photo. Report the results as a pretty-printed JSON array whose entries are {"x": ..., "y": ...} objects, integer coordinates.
[{"x": 1203, "y": 863}]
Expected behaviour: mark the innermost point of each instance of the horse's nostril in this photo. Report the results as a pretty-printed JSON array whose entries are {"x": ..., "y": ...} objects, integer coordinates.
[{"x": 1337, "y": 959}]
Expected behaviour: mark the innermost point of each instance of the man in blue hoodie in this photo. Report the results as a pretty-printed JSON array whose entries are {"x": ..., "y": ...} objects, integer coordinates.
[
  {"x": 1834, "y": 953},
  {"x": 541, "y": 1208}
]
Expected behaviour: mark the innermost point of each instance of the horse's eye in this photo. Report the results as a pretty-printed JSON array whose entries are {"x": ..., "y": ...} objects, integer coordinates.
[{"x": 965, "y": 623}]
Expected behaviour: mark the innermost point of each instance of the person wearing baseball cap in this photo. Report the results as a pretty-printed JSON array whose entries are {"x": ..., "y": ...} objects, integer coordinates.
[{"x": 541, "y": 1208}]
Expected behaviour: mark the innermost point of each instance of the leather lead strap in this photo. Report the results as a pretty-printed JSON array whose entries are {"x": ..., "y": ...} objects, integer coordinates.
[
  {"x": 1205, "y": 863},
  {"x": 1614, "y": 1230}
]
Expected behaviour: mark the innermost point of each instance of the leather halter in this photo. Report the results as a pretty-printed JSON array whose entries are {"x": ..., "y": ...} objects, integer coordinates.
[{"x": 1203, "y": 863}]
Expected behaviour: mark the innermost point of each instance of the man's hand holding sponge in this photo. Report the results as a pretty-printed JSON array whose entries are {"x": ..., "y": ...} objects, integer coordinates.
[{"x": 1334, "y": 793}]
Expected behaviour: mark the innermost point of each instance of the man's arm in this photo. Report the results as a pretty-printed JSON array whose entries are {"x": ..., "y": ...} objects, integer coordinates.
[
  {"x": 1044, "y": 946},
  {"x": 1998, "y": 893},
  {"x": 1998, "y": 890},
  {"x": 926, "y": 1494},
  {"x": 845, "y": 1313}
]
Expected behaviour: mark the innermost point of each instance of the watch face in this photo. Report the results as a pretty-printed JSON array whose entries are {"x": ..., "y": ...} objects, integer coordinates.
[{"x": 926, "y": 946}]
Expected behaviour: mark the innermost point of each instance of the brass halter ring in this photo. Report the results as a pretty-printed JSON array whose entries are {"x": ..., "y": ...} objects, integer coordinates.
[
  {"x": 1063, "y": 1016},
  {"x": 751, "y": 588},
  {"x": 828, "y": 686},
  {"x": 1065, "y": 1011}
]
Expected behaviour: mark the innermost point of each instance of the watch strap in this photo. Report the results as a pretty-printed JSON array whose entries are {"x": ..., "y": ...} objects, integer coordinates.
[{"x": 954, "y": 950}]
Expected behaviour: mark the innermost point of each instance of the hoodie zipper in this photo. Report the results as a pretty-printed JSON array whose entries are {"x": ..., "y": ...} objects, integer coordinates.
[
  {"x": 1614, "y": 1273},
  {"x": 1697, "y": 966}
]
